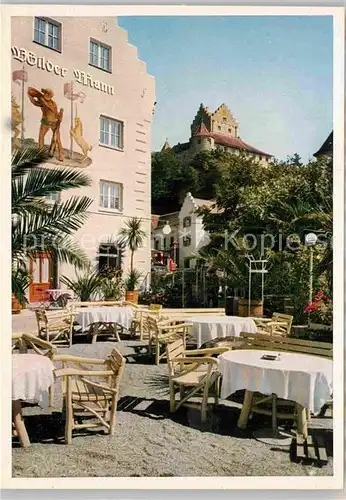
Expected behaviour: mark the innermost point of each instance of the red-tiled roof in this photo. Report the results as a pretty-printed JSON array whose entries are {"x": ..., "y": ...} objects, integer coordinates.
[
  {"x": 233, "y": 142},
  {"x": 202, "y": 131},
  {"x": 227, "y": 140}
]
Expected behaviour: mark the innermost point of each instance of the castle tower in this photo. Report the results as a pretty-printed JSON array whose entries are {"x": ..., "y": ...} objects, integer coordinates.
[
  {"x": 202, "y": 139},
  {"x": 166, "y": 146}
]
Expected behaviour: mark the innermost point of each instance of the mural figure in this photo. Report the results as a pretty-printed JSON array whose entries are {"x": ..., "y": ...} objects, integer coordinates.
[
  {"x": 51, "y": 118},
  {"x": 16, "y": 119},
  {"x": 77, "y": 133}
]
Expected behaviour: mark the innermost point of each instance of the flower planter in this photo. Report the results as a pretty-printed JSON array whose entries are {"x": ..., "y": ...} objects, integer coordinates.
[
  {"x": 256, "y": 308},
  {"x": 132, "y": 296},
  {"x": 16, "y": 306}
]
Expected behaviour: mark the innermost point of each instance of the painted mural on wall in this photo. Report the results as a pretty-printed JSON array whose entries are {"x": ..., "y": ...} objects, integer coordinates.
[{"x": 53, "y": 119}]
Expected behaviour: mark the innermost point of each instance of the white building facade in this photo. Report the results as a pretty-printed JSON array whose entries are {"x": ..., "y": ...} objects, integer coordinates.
[{"x": 86, "y": 67}]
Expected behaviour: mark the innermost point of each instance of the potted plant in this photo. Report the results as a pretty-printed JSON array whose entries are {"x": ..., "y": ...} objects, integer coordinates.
[
  {"x": 20, "y": 283},
  {"x": 85, "y": 286},
  {"x": 133, "y": 237},
  {"x": 112, "y": 285},
  {"x": 131, "y": 284}
]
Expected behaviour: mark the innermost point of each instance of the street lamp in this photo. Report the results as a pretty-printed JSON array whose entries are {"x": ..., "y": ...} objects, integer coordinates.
[
  {"x": 310, "y": 241},
  {"x": 166, "y": 228}
]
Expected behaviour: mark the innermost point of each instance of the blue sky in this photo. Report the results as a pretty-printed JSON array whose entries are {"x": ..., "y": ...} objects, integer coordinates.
[{"x": 274, "y": 73}]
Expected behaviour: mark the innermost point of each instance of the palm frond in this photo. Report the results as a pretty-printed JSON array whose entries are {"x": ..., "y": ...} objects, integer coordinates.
[{"x": 23, "y": 160}]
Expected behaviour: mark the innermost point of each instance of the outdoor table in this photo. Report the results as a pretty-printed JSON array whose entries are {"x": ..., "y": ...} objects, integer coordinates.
[
  {"x": 112, "y": 315},
  {"x": 302, "y": 378},
  {"x": 207, "y": 327},
  {"x": 32, "y": 375}
]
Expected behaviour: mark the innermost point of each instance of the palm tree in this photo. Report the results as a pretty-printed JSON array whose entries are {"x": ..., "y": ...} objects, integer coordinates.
[
  {"x": 37, "y": 225},
  {"x": 133, "y": 237}
]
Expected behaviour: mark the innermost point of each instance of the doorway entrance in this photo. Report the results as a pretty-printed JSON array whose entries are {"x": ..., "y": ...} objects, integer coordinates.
[{"x": 42, "y": 271}]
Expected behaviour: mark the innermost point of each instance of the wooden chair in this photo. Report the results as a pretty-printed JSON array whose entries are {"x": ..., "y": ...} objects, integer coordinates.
[
  {"x": 139, "y": 323},
  {"x": 162, "y": 333},
  {"x": 24, "y": 341},
  {"x": 278, "y": 324},
  {"x": 256, "y": 402},
  {"x": 85, "y": 395},
  {"x": 56, "y": 327},
  {"x": 193, "y": 373}
]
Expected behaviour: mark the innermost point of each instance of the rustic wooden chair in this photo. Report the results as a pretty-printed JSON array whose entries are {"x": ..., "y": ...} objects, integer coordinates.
[
  {"x": 56, "y": 327},
  {"x": 24, "y": 341},
  {"x": 85, "y": 395},
  {"x": 278, "y": 324},
  {"x": 162, "y": 333},
  {"x": 258, "y": 403},
  {"x": 193, "y": 373},
  {"x": 138, "y": 323}
]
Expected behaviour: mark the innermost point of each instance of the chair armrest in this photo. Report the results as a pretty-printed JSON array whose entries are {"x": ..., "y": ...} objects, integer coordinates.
[
  {"x": 71, "y": 372},
  {"x": 78, "y": 359},
  {"x": 211, "y": 350},
  {"x": 175, "y": 327},
  {"x": 35, "y": 341},
  {"x": 200, "y": 361}
]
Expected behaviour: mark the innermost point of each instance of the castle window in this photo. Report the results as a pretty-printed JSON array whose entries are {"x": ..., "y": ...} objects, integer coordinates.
[
  {"x": 230, "y": 130},
  {"x": 219, "y": 128},
  {"x": 100, "y": 55},
  {"x": 224, "y": 119},
  {"x": 187, "y": 241},
  {"x": 47, "y": 32},
  {"x": 199, "y": 141},
  {"x": 187, "y": 222}
]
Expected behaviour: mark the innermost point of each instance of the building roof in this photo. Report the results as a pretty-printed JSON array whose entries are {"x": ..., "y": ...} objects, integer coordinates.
[
  {"x": 227, "y": 140},
  {"x": 166, "y": 146},
  {"x": 200, "y": 203},
  {"x": 202, "y": 131},
  {"x": 326, "y": 148},
  {"x": 233, "y": 142}
]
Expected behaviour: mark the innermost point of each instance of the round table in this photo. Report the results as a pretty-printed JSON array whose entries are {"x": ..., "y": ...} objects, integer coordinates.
[
  {"x": 32, "y": 376},
  {"x": 100, "y": 316},
  {"x": 105, "y": 314},
  {"x": 302, "y": 378},
  {"x": 208, "y": 327}
]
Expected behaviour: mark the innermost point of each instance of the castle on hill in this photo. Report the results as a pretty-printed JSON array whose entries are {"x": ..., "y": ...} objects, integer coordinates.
[{"x": 215, "y": 130}]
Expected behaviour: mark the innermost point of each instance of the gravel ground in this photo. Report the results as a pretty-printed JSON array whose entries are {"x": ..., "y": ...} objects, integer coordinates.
[{"x": 149, "y": 441}]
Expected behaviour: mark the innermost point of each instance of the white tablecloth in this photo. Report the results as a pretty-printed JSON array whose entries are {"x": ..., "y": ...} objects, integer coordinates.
[
  {"x": 108, "y": 314},
  {"x": 304, "y": 379},
  {"x": 32, "y": 375},
  {"x": 207, "y": 327}
]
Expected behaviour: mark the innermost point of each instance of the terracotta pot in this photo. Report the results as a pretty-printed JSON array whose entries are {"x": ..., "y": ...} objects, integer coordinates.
[
  {"x": 16, "y": 306},
  {"x": 132, "y": 296},
  {"x": 256, "y": 308}
]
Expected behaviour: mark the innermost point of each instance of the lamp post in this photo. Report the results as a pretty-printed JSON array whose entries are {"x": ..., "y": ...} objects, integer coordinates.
[{"x": 310, "y": 241}]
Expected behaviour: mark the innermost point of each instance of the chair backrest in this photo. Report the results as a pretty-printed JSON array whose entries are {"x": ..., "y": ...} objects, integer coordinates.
[
  {"x": 131, "y": 304},
  {"x": 283, "y": 318},
  {"x": 41, "y": 318},
  {"x": 155, "y": 307},
  {"x": 115, "y": 362},
  {"x": 174, "y": 350},
  {"x": 279, "y": 343},
  {"x": 151, "y": 325}
]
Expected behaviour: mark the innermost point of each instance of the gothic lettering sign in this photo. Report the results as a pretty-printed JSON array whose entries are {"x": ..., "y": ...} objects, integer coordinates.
[{"x": 31, "y": 59}]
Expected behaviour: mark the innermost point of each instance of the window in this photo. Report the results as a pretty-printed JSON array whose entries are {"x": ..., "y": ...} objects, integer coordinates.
[
  {"x": 187, "y": 241},
  {"x": 111, "y": 133},
  {"x": 172, "y": 242},
  {"x": 187, "y": 263},
  {"x": 156, "y": 244},
  {"x": 109, "y": 256},
  {"x": 187, "y": 222},
  {"x": 47, "y": 32},
  {"x": 111, "y": 195},
  {"x": 100, "y": 55}
]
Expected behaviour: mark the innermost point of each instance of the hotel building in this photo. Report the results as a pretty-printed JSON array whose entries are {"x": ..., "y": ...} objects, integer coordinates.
[{"x": 86, "y": 66}]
